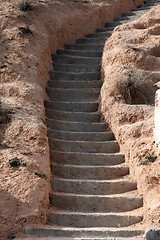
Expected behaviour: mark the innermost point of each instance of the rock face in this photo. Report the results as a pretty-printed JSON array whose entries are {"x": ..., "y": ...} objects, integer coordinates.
[
  {"x": 152, "y": 233},
  {"x": 130, "y": 68}
]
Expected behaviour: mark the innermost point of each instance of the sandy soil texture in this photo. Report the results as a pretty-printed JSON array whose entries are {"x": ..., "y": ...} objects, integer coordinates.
[{"x": 131, "y": 69}]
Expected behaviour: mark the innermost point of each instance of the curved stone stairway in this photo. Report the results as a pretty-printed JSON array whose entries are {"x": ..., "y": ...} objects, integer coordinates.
[{"x": 92, "y": 197}]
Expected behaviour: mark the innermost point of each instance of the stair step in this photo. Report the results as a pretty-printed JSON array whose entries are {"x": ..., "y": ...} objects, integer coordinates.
[
  {"x": 123, "y": 18},
  {"x": 79, "y": 158},
  {"x": 83, "y": 146},
  {"x": 72, "y": 106},
  {"x": 75, "y": 219},
  {"x": 100, "y": 40},
  {"x": 73, "y": 95},
  {"x": 82, "y": 53},
  {"x": 93, "y": 187},
  {"x": 81, "y": 136},
  {"x": 127, "y": 14},
  {"x": 64, "y": 238},
  {"x": 88, "y": 203},
  {"x": 112, "y": 24},
  {"x": 105, "y": 30},
  {"x": 75, "y": 76},
  {"x": 100, "y": 34},
  {"x": 74, "y": 68},
  {"x": 141, "y": 8},
  {"x": 89, "y": 172},
  {"x": 101, "y": 232},
  {"x": 75, "y": 126},
  {"x": 76, "y": 46},
  {"x": 73, "y": 116},
  {"x": 65, "y": 59},
  {"x": 75, "y": 84}
]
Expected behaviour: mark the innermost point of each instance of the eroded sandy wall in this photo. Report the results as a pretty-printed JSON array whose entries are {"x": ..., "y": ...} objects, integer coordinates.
[
  {"x": 130, "y": 67},
  {"x": 25, "y": 62}
]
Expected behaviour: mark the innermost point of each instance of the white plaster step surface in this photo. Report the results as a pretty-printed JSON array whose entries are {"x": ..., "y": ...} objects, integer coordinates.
[
  {"x": 84, "y": 146},
  {"x": 81, "y": 136},
  {"x": 75, "y": 126},
  {"x": 72, "y": 106},
  {"x": 80, "y": 219},
  {"x": 76, "y": 46},
  {"x": 82, "y": 53},
  {"x": 93, "y": 187},
  {"x": 89, "y": 172},
  {"x": 73, "y": 116},
  {"x": 88, "y": 203},
  {"x": 73, "y": 95},
  {"x": 75, "y": 84},
  {"x": 76, "y": 68},
  {"x": 100, "y": 40},
  {"x": 79, "y": 158},
  {"x": 65, "y": 59},
  {"x": 75, "y": 76},
  {"x": 85, "y": 233}
]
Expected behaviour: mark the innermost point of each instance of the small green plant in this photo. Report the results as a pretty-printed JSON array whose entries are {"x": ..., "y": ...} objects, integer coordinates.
[
  {"x": 25, "y": 5},
  {"x": 15, "y": 162},
  {"x": 149, "y": 158},
  {"x": 41, "y": 175},
  {"x": 12, "y": 235}
]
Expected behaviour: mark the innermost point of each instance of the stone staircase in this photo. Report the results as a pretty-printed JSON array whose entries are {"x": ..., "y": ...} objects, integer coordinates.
[{"x": 92, "y": 196}]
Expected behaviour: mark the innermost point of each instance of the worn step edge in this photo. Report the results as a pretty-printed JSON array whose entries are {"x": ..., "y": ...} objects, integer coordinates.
[
  {"x": 95, "y": 203},
  {"x": 82, "y": 232},
  {"x": 94, "y": 187},
  {"x": 84, "y": 146},
  {"x": 81, "y": 136},
  {"x": 72, "y": 106}
]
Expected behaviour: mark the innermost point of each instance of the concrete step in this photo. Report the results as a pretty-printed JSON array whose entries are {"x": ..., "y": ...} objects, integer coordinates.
[
  {"x": 84, "y": 233},
  {"x": 105, "y": 29},
  {"x": 75, "y": 84},
  {"x": 84, "y": 146},
  {"x": 67, "y": 59},
  {"x": 93, "y": 187},
  {"x": 81, "y": 136},
  {"x": 141, "y": 8},
  {"x": 89, "y": 172},
  {"x": 75, "y": 126},
  {"x": 100, "y": 34},
  {"x": 73, "y": 116},
  {"x": 72, "y": 106},
  {"x": 123, "y": 18},
  {"x": 100, "y": 40},
  {"x": 127, "y": 14},
  {"x": 74, "y": 68},
  {"x": 80, "y": 158},
  {"x": 82, "y": 53},
  {"x": 73, "y": 95},
  {"x": 76, "y": 46},
  {"x": 112, "y": 24},
  {"x": 95, "y": 203},
  {"x": 64, "y": 238},
  {"x": 79, "y": 219},
  {"x": 75, "y": 76}
]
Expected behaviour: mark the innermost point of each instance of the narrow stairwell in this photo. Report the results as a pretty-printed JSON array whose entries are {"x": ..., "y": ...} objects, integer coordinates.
[{"x": 92, "y": 196}]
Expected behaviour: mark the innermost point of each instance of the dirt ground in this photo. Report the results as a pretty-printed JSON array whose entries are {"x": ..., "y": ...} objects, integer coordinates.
[
  {"x": 130, "y": 66},
  {"x": 27, "y": 40}
]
